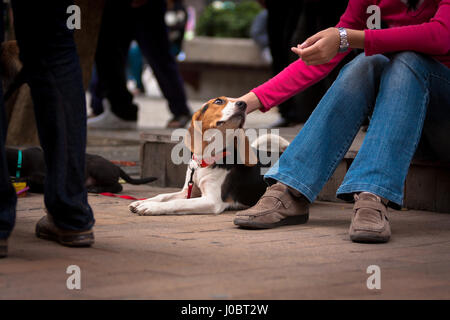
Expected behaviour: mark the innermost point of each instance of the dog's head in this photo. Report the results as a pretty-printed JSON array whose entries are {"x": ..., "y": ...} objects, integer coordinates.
[{"x": 219, "y": 113}]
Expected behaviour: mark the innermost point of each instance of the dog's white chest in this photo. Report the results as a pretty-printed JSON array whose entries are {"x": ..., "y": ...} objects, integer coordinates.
[{"x": 209, "y": 178}]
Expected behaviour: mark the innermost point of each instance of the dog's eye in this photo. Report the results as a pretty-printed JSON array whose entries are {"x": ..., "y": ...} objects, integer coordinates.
[{"x": 218, "y": 101}]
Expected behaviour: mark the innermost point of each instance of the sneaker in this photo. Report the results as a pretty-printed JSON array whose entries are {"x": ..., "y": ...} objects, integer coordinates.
[
  {"x": 109, "y": 121},
  {"x": 46, "y": 229},
  {"x": 370, "y": 223},
  {"x": 179, "y": 121},
  {"x": 3, "y": 248},
  {"x": 279, "y": 206}
]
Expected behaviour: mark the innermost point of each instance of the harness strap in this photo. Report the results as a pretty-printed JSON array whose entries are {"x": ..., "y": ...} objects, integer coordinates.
[
  {"x": 190, "y": 184},
  {"x": 202, "y": 163}
]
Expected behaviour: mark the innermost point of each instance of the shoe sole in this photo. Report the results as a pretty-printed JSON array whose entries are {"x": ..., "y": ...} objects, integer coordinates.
[
  {"x": 367, "y": 237},
  {"x": 79, "y": 240},
  {"x": 245, "y": 224}
]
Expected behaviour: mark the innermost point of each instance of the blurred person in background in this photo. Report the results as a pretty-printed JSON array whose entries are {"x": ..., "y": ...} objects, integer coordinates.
[
  {"x": 290, "y": 22},
  {"x": 259, "y": 34},
  {"x": 144, "y": 21}
]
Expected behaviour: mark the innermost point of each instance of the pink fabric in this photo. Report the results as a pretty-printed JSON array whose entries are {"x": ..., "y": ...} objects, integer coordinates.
[{"x": 425, "y": 30}]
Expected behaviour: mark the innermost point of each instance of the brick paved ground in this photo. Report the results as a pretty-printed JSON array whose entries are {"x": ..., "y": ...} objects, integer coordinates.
[{"x": 207, "y": 257}]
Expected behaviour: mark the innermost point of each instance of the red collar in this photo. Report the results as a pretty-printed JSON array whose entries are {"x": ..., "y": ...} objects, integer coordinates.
[{"x": 206, "y": 162}]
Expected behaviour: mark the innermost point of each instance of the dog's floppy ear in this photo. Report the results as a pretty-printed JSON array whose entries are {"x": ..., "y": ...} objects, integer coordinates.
[
  {"x": 194, "y": 132},
  {"x": 245, "y": 151}
]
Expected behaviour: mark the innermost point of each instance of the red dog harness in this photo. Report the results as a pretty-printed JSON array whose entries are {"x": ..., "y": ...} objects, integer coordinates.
[{"x": 202, "y": 163}]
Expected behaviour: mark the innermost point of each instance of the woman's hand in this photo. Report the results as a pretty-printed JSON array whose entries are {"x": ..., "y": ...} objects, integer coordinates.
[
  {"x": 320, "y": 48},
  {"x": 251, "y": 100}
]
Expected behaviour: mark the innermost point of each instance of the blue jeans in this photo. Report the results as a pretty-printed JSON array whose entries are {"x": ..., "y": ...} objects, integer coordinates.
[
  {"x": 406, "y": 92},
  {"x": 52, "y": 70}
]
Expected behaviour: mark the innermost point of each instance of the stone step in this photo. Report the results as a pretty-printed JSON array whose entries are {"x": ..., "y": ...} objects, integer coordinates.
[{"x": 427, "y": 185}]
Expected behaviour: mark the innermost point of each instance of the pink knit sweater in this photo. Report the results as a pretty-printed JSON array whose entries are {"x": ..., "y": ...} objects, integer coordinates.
[{"x": 425, "y": 30}]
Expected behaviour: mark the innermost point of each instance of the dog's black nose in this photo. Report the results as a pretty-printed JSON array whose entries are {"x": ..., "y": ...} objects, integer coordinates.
[{"x": 241, "y": 105}]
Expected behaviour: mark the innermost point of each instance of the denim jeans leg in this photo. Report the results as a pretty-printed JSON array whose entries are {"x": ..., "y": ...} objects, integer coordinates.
[
  {"x": 313, "y": 156},
  {"x": 395, "y": 129},
  {"x": 52, "y": 69}
]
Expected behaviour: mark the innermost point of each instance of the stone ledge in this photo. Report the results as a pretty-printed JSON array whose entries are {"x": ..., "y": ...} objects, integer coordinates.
[
  {"x": 223, "y": 51},
  {"x": 222, "y": 66},
  {"x": 427, "y": 185}
]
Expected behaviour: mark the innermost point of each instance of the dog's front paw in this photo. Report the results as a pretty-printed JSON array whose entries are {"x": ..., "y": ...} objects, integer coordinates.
[
  {"x": 133, "y": 206},
  {"x": 146, "y": 208}
]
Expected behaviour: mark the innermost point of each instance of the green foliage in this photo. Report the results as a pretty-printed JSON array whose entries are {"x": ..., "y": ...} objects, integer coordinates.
[{"x": 228, "y": 20}]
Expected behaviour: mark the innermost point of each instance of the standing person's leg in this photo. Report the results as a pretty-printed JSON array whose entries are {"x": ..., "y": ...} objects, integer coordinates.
[
  {"x": 111, "y": 59},
  {"x": 409, "y": 84},
  {"x": 312, "y": 157},
  {"x": 97, "y": 94},
  {"x": 52, "y": 70},
  {"x": 135, "y": 66},
  {"x": 8, "y": 197},
  {"x": 152, "y": 37},
  {"x": 281, "y": 25}
]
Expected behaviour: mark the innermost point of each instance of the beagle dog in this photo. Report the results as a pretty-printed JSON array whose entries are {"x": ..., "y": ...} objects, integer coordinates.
[{"x": 229, "y": 177}]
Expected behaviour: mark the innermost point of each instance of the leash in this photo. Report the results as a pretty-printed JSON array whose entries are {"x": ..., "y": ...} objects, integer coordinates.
[{"x": 108, "y": 194}]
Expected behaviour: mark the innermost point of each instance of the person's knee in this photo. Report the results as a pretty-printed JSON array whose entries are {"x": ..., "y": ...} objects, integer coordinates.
[
  {"x": 362, "y": 64},
  {"x": 362, "y": 70},
  {"x": 410, "y": 60}
]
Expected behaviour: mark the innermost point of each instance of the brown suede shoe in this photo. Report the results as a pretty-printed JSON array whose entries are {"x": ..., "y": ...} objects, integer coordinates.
[
  {"x": 369, "y": 222},
  {"x": 3, "y": 248},
  {"x": 279, "y": 206},
  {"x": 46, "y": 229}
]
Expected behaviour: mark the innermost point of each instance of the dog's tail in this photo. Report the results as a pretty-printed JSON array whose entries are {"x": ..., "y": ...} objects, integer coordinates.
[
  {"x": 270, "y": 142},
  {"x": 131, "y": 180}
]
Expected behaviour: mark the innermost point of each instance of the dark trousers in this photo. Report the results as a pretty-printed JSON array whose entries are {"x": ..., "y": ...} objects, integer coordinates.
[
  {"x": 120, "y": 25},
  {"x": 289, "y": 27},
  {"x": 52, "y": 70}
]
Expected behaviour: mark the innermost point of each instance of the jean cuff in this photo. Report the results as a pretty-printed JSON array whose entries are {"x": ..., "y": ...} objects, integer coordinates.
[{"x": 345, "y": 192}]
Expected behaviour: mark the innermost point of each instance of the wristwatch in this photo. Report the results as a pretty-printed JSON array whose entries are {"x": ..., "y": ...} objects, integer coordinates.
[{"x": 344, "y": 45}]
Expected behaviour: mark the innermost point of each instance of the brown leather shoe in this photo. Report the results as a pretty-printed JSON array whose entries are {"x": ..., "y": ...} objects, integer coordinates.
[
  {"x": 46, "y": 229},
  {"x": 369, "y": 222},
  {"x": 3, "y": 248},
  {"x": 279, "y": 206}
]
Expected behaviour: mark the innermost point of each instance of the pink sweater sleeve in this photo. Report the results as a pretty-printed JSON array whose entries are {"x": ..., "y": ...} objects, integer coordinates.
[
  {"x": 432, "y": 37},
  {"x": 298, "y": 76}
]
